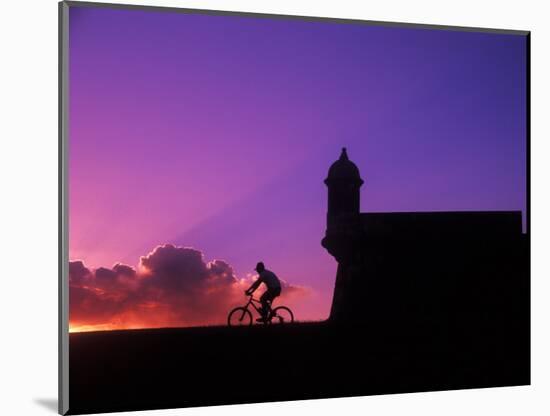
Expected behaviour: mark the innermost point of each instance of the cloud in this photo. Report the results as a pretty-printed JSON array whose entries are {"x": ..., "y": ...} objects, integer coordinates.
[
  {"x": 171, "y": 286},
  {"x": 78, "y": 272}
]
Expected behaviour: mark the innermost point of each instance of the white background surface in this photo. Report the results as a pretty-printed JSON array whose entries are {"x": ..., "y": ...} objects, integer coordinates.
[{"x": 28, "y": 213}]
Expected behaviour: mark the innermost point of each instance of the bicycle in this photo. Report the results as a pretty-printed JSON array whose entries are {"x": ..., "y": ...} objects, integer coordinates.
[{"x": 241, "y": 315}]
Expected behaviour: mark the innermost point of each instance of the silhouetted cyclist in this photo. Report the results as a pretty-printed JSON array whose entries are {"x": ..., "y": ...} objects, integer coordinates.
[{"x": 273, "y": 289}]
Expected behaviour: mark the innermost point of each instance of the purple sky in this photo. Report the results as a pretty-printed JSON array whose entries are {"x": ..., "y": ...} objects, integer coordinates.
[{"x": 216, "y": 132}]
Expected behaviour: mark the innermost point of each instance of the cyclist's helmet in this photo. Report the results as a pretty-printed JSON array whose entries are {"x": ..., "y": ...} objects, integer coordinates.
[{"x": 260, "y": 267}]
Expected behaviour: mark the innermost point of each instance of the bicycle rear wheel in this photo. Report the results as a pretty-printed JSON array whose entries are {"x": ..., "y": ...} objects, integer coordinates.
[
  {"x": 282, "y": 315},
  {"x": 239, "y": 316}
]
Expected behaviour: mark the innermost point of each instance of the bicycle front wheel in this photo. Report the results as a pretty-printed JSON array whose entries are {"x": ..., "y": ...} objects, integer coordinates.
[
  {"x": 282, "y": 315},
  {"x": 239, "y": 317}
]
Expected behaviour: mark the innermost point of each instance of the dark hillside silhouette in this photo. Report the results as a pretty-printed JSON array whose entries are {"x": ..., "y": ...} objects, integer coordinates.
[{"x": 149, "y": 369}]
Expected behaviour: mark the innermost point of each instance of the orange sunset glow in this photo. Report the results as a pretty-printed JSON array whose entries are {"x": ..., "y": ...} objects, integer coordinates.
[{"x": 171, "y": 287}]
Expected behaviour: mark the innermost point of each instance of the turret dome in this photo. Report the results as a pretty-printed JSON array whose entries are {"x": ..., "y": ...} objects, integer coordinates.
[{"x": 344, "y": 169}]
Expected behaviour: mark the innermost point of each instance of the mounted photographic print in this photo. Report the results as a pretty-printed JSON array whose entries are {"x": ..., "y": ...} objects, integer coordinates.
[{"x": 260, "y": 208}]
